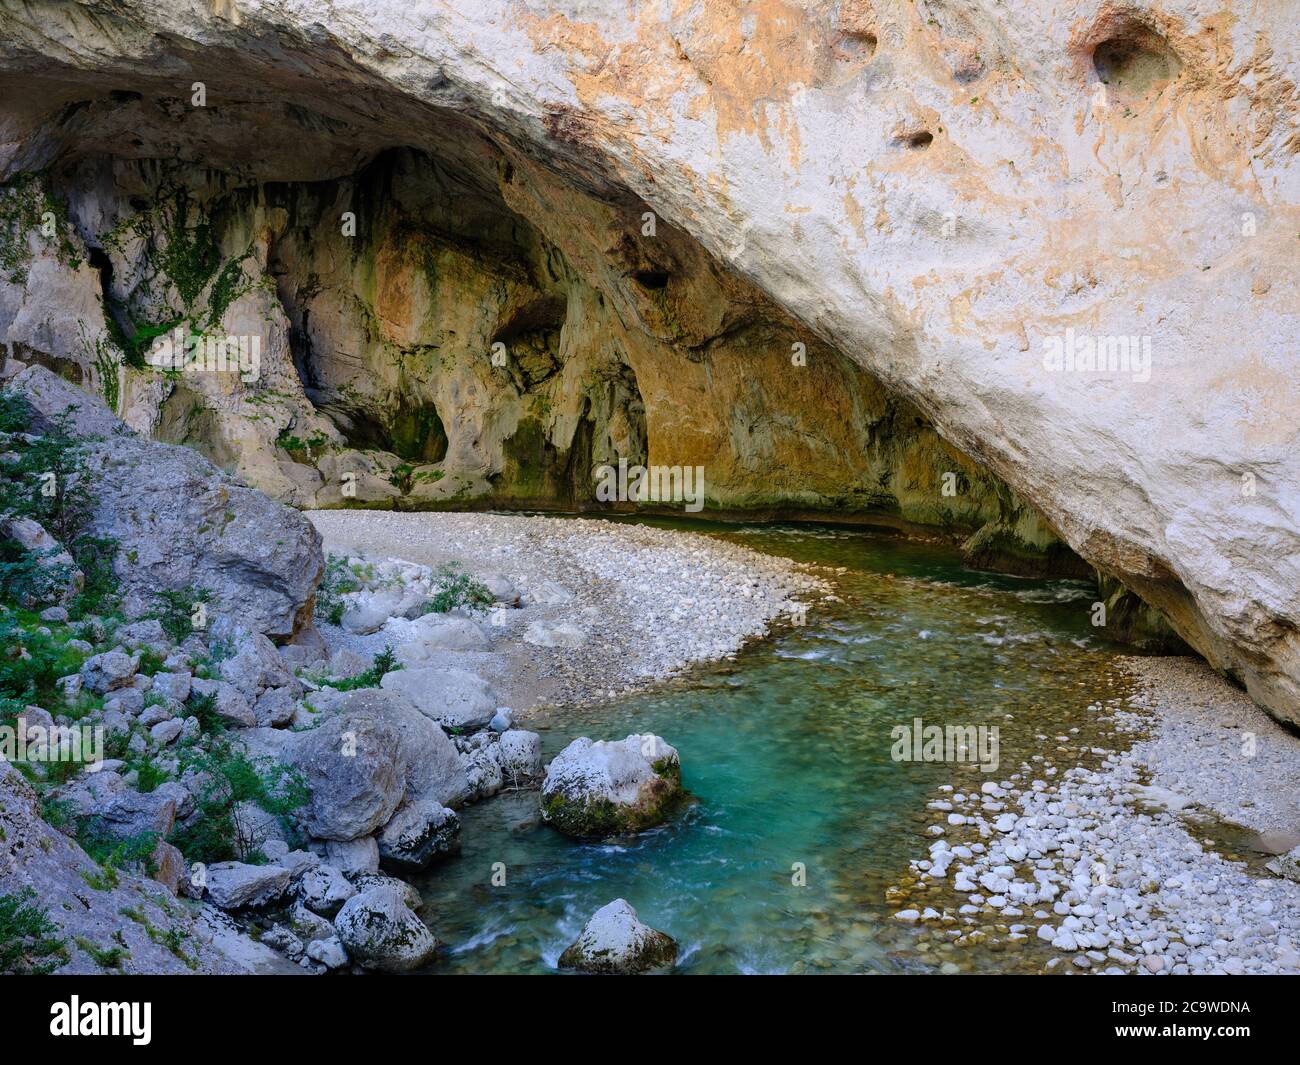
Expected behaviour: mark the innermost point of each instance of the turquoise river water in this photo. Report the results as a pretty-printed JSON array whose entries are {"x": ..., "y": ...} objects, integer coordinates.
[{"x": 786, "y": 751}]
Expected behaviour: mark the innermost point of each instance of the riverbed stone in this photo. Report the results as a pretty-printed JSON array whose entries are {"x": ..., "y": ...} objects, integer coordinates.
[
  {"x": 455, "y": 698},
  {"x": 324, "y": 889},
  {"x": 615, "y": 941},
  {"x": 605, "y": 788},
  {"x": 237, "y": 885},
  {"x": 520, "y": 754},
  {"x": 428, "y": 636},
  {"x": 110, "y": 671},
  {"x": 418, "y": 833},
  {"x": 354, "y": 856},
  {"x": 379, "y": 931},
  {"x": 353, "y": 766}
]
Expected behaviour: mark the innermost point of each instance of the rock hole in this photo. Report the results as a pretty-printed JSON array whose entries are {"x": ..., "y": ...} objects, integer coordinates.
[
  {"x": 921, "y": 139},
  {"x": 1135, "y": 61},
  {"x": 858, "y": 45},
  {"x": 651, "y": 279}
]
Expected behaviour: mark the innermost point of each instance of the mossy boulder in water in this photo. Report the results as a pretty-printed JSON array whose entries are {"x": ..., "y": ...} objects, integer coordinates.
[
  {"x": 611, "y": 788},
  {"x": 380, "y": 932},
  {"x": 614, "y": 941}
]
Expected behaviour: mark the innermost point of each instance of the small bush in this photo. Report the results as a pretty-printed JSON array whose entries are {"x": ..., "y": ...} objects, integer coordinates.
[
  {"x": 204, "y": 707},
  {"x": 336, "y": 582},
  {"x": 29, "y": 941},
  {"x": 385, "y": 662},
  {"x": 31, "y": 662},
  {"x": 176, "y": 615},
  {"x": 230, "y": 777},
  {"x": 113, "y": 853},
  {"x": 456, "y": 589}
]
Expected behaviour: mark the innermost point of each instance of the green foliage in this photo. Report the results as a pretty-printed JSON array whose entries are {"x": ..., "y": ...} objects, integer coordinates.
[
  {"x": 28, "y": 576},
  {"x": 228, "y": 777},
  {"x": 181, "y": 245},
  {"x": 148, "y": 774},
  {"x": 204, "y": 707},
  {"x": 105, "y": 354},
  {"x": 53, "y": 486},
  {"x": 29, "y": 941},
  {"x": 384, "y": 662},
  {"x": 290, "y": 442},
  {"x": 114, "y": 854},
  {"x": 99, "y": 591},
  {"x": 337, "y": 582},
  {"x": 50, "y": 484},
  {"x": 26, "y": 209},
  {"x": 15, "y": 411},
  {"x": 104, "y": 957},
  {"x": 178, "y": 609},
  {"x": 31, "y": 662},
  {"x": 456, "y": 589}
]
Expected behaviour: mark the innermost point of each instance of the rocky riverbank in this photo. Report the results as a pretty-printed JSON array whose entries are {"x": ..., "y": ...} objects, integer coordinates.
[
  {"x": 595, "y": 608},
  {"x": 1165, "y": 854},
  {"x": 250, "y": 804}
]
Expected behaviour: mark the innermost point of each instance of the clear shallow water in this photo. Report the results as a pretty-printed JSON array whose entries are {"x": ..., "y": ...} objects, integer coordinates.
[{"x": 786, "y": 751}]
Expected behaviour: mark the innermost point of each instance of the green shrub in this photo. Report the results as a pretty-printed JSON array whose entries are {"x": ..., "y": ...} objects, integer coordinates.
[
  {"x": 384, "y": 662},
  {"x": 204, "y": 707},
  {"x": 456, "y": 589},
  {"x": 176, "y": 614},
  {"x": 229, "y": 777},
  {"x": 31, "y": 662},
  {"x": 29, "y": 941},
  {"x": 114, "y": 854},
  {"x": 336, "y": 582},
  {"x": 50, "y": 484}
]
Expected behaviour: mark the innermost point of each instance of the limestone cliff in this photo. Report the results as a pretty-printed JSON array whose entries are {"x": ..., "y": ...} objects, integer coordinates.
[{"x": 948, "y": 195}]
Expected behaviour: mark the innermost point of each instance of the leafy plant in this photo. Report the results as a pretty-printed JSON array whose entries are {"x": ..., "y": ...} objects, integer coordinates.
[
  {"x": 456, "y": 589},
  {"x": 29, "y": 941},
  {"x": 204, "y": 707},
  {"x": 31, "y": 662},
  {"x": 51, "y": 484},
  {"x": 228, "y": 777},
  {"x": 114, "y": 854},
  {"x": 335, "y": 583},
  {"x": 290, "y": 442},
  {"x": 176, "y": 614},
  {"x": 384, "y": 662}
]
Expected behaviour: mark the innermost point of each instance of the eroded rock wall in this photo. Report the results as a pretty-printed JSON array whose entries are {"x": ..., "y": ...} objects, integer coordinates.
[
  {"x": 945, "y": 192},
  {"x": 473, "y": 330}
]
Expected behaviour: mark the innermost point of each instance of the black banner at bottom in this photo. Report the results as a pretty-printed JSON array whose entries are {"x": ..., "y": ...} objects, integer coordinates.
[{"x": 145, "y": 1014}]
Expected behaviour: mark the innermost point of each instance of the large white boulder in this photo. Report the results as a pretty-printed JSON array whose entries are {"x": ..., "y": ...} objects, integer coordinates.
[
  {"x": 357, "y": 775},
  {"x": 236, "y": 885},
  {"x": 615, "y": 941},
  {"x": 426, "y": 637},
  {"x": 519, "y": 753},
  {"x": 455, "y": 698},
  {"x": 379, "y": 931},
  {"x": 608, "y": 788}
]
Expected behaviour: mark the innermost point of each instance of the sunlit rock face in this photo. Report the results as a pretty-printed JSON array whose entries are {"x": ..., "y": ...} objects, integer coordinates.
[{"x": 966, "y": 203}]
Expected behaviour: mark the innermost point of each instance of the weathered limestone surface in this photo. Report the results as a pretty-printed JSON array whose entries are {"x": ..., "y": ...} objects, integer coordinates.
[
  {"x": 938, "y": 190},
  {"x": 176, "y": 521},
  {"x": 94, "y": 914}
]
